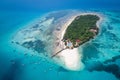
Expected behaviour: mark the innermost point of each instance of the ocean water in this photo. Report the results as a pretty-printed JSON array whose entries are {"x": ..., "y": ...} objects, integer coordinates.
[{"x": 101, "y": 55}]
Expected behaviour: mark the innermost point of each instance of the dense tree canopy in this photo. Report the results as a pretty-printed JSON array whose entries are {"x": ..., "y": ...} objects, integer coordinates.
[{"x": 80, "y": 28}]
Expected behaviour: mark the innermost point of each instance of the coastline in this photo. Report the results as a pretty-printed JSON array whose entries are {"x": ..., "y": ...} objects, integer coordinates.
[{"x": 71, "y": 57}]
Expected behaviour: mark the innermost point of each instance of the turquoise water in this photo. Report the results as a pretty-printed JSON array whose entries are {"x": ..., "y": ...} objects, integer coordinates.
[{"x": 100, "y": 56}]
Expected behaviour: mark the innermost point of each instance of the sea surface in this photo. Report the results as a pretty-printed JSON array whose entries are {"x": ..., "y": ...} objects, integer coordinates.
[{"x": 101, "y": 55}]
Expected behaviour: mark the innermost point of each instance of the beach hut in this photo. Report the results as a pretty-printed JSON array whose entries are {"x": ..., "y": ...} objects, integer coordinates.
[
  {"x": 93, "y": 30},
  {"x": 69, "y": 44},
  {"x": 77, "y": 42}
]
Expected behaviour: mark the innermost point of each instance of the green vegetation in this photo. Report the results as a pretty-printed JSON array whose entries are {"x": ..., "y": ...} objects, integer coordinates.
[{"x": 79, "y": 29}]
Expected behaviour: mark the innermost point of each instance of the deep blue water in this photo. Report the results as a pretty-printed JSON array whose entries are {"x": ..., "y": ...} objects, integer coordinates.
[{"x": 45, "y": 5}]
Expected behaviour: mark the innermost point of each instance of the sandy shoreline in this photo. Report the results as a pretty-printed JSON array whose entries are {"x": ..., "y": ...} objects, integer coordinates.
[{"x": 71, "y": 57}]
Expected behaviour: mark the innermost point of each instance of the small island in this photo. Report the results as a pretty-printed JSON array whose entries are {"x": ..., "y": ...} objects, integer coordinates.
[
  {"x": 78, "y": 30},
  {"x": 82, "y": 29}
]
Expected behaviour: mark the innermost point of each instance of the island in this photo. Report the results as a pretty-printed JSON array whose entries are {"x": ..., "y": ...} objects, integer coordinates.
[
  {"x": 82, "y": 29},
  {"x": 79, "y": 29}
]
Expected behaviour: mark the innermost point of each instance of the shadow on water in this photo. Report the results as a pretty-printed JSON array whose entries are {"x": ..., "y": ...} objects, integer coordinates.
[
  {"x": 113, "y": 59},
  {"x": 89, "y": 51},
  {"x": 14, "y": 71},
  {"x": 109, "y": 68},
  {"x": 37, "y": 46}
]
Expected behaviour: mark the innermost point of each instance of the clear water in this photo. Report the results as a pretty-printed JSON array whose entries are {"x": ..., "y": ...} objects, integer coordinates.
[{"x": 97, "y": 54}]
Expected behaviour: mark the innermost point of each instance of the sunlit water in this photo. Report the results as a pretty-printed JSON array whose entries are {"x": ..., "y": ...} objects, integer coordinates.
[{"x": 97, "y": 54}]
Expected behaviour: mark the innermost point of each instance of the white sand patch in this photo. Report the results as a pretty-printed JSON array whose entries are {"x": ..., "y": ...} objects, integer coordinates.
[{"x": 71, "y": 59}]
